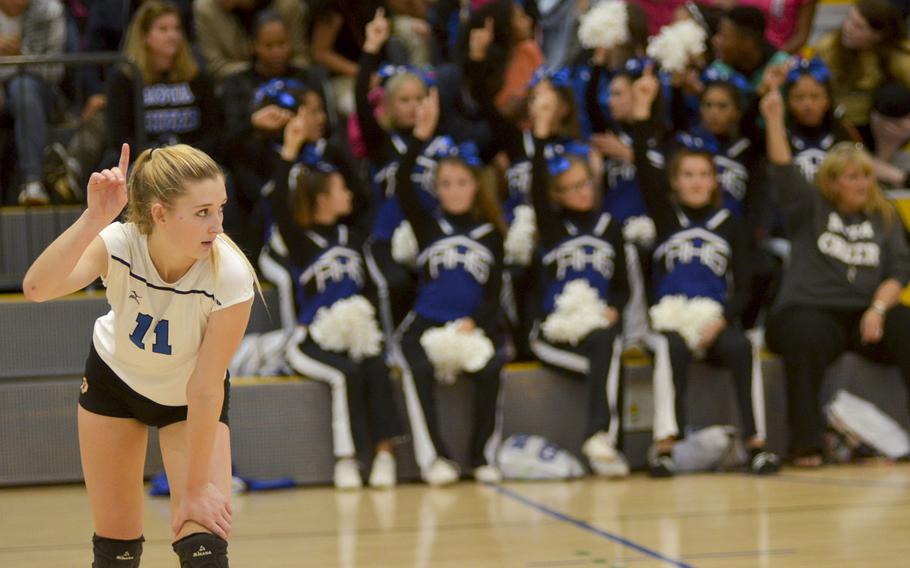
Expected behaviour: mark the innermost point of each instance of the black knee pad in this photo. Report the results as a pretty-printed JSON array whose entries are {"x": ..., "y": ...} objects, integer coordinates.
[
  {"x": 113, "y": 553},
  {"x": 202, "y": 550}
]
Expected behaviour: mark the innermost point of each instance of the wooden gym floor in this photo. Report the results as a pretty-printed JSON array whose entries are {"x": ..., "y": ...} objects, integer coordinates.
[{"x": 856, "y": 516}]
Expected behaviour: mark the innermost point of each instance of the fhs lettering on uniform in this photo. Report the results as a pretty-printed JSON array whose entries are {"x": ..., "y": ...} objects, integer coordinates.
[
  {"x": 581, "y": 252},
  {"x": 809, "y": 161},
  {"x": 839, "y": 242},
  {"x": 695, "y": 244},
  {"x": 334, "y": 265},
  {"x": 449, "y": 253},
  {"x": 732, "y": 176}
]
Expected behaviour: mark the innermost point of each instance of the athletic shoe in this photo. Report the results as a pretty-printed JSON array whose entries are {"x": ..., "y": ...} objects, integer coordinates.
[
  {"x": 605, "y": 460},
  {"x": 441, "y": 472},
  {"x": 33, "y": 193},
  {"x": 347, "y": 474},
  {"x": 487, "y": 474},
  {"x": 384, "y": 472},
  {"x": 661, "y": 465},
  {"x": 764, "y": 462}
]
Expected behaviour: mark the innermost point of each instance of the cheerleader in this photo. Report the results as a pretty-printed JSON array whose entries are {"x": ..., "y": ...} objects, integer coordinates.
[
  {"x": 337, "y": 340},
  {"x": 274, "y": 264},
  {"x": 584, "y": 288},
  {"x": 460, "y": 277},
  {"x": 387, "y": 140},
  {"x": 812, "y": 126},
  {"x": 701, "y": 278}
]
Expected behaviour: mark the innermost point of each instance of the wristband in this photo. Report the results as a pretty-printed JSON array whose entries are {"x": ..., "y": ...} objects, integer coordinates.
[{"x": 879, "y": 307}]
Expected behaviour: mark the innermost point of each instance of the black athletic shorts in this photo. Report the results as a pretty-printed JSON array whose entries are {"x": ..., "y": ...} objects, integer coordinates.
[{"x": 104, "y": 393}]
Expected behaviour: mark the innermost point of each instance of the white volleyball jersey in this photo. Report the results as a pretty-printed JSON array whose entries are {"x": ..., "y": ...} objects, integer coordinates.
[{"x": 151, "y": 336}]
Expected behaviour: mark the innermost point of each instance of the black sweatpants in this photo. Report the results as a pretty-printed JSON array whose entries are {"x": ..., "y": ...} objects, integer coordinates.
[
  {"x": 420, "y": 394},
  {"x": 731, "y": 350},
  {"x": 362, "y": 399},
  {"x": 597, "y": 358},
  {"x": 810, "y": 338}
]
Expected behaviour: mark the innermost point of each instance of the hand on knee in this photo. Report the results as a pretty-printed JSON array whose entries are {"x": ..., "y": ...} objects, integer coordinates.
[
  {"x": 114, "y": 553},
  {"x": 202, "y": 550}
]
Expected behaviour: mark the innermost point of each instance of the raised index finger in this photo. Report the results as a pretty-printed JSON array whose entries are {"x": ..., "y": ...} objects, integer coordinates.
[{"x": 124, "y": 158}]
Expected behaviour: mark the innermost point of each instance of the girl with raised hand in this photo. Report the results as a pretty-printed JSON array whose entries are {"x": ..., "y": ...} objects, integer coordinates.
[
  {"x": 387, "y": 140},
  {"x": 701, "y": 281},
  {"x": 315, "y": 149},
  {"x": 180, "y": 293},
  {"x": 337, "y": 339},
  {"x": 812, "y": 127},
  {"x": 459, "y": 263},
  {"x": 584, "y": 287},
  {"x": 841, "y": 290}
]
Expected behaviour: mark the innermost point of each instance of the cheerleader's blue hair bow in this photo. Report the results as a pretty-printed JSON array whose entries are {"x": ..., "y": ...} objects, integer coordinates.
[
  {"x": 557, "y": 164},
  {"x": 388, "y": 71},
  {"x": 560, "y": 78},
  {"x": 277, "y": 91},
  {"x": 715, "y": 75},
  {"x": 814, "y": 67},
  {"x": 445, "y": 147},
  {"x": 310, "y": 155}
]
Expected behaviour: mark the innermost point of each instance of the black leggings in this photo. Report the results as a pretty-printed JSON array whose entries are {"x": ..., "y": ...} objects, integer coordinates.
[
  {"x": 428, "y": 442},
  {"x": 731, "y": 350},
  {"x": 809, "y": 339},
  {"x": 362, "y": 399},
  {"x": 593, "y": 358}
]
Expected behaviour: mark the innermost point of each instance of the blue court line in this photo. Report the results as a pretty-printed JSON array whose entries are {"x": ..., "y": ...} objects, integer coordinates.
[{"x": 589, "y": 527}]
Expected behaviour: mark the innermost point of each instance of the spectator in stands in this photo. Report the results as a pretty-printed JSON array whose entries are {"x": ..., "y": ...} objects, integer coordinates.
[
  {"x": 31, "y": 27},
  {"x": 325, "y": 255},
  {"x": 337, "y": 34},
  {"x": 223, "y": 32},
  {"x": 577, "y": 229},
  {"x": 253, "y": 128},
  {"x": 701, "y": 259},
  {"x": 789, "y": 22},
  {"x": 848, "y": 265},
  {"x": 741, "y": 48},
  {"x": 514, "y": 54},
  {"x": 178, "y": 101},
  {"x": 869, "y": 51},
  {"x": 106, "y": 23},
  {"x": 460, "y": 279}
]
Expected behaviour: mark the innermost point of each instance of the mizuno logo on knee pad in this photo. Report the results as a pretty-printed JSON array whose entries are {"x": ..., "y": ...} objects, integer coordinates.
[{"x": 202, "y": 552}]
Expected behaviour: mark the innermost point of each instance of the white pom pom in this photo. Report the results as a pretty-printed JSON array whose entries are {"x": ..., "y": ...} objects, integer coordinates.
[
  {"x": 519, "y": 245},
  {"x": 675, "y": 46},
  {"x": 452, "y": 351},
  {"x": 604, "y": 25},
  {"x": 639, "y": 230},
  {"x": 579, "y": 310},
  {"x": 350, "y": 326},
  {"x": 686, "y": 316},
  {"x": 404, "y": 245}
]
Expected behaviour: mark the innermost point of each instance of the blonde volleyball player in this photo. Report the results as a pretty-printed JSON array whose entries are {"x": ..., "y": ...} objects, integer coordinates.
[{"x": 180, "y": 294}]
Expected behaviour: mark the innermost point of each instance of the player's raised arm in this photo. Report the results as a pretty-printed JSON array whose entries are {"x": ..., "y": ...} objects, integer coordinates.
[{"x": 78, "y": 256}]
